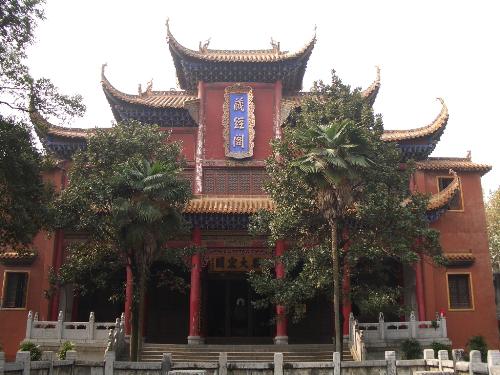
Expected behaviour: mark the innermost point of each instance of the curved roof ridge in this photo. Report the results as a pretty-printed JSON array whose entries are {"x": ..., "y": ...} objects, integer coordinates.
[
  {"x": 435, "y": 126},
  {"x": 443, "y": 197},
  {"x": 370, "y": 93},
  {"x": 43, "y": 127},
  {"x": 258, "y": 55},
  {"x": 158, "y": 99},
  {"x": 455, "y": 163}
]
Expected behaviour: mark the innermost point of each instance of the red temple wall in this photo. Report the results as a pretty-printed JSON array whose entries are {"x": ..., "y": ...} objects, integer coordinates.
[
  {"x": 13, "y": 321},
  {"x": 264, "y": 99},
  {"x": 462, "y": 232},
  {"x": 187, "y": 138}
]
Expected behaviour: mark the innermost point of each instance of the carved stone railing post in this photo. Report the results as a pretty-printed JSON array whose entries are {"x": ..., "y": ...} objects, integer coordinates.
[
  {"x": 381, "y": 326},
  {"x": 166, "y": 363},
  {"x": 91, "y": 326},
  {"x": 390, "y": 357},
  {"x": 278, "y": 363},
  {"x": 413, "y": 325},
  {"x": 109, "y": 346},
  {"x": 336, "y": 363},
  {"x": 444, "y": 330},
  {"x": 49, "y": 356},
  {"x": 222, "y": 363},
  {"x": 29, "y": 324},
  {"x": 493, "y": 362},
  {"x": 109, "y": 362},
  {"x": 442, "y": 356},
  {"x": 428, "y": 353},
  {"x": 351, "y": 322},
  {"x": 2, "y": 363},
  {"x": 474, "y": 357},
  {"x": 25, "y": 359},
  {"x": 59, "y": 325},
  {"x": 122, "y": 325}
]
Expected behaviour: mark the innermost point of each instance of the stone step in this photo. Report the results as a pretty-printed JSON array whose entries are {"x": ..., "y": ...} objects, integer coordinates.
[{"x": 153, "y": 352}]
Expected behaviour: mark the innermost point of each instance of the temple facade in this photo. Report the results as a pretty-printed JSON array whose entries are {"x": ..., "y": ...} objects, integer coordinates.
[{"x": 230, "y": 106}]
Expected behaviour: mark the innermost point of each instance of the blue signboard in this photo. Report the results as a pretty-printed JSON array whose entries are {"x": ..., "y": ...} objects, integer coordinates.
[{"x": 239, "y": 121}]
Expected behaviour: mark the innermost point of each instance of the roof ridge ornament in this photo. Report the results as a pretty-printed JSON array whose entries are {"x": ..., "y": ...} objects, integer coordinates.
[
  {"x": 149, "y": 87},
  {"x": 204, "y": 47},
  {"x": 103, "y": 70},
  {"x": 469, "y": 155},
  {"x": 168, "y": 28},
  {"x": 275, "y": 45},
  {"x": 370, "y": 93}
]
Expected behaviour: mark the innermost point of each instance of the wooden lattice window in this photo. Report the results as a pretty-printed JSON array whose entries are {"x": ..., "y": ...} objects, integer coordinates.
[
  {"x": 234, "y": 181},
  {"x": 456, "y": 204},
  {"x": 15, "y": 289},
  {"x": 460, "y": 291},
  {"x": 189, "y": 175}
]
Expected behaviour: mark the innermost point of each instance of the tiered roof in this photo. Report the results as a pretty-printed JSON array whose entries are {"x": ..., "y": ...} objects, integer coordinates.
[
  {"x": 179, "y": 108},
  {"x": 457, "y": 164},
  {"x": 164, "y": 108},
  {"x": 265, "y": 65},
  {"x": 442, "y": 198}
]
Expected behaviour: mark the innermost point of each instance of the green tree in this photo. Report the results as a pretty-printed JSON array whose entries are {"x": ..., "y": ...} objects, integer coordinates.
[
  {"x": 18, "y": 21},
  {"x": 334, "y": 154},
  {"x": 336, "y": 185},
  {"x": 146, "y": 213},
  {"x": 24, "y": 198},
  {"x": 493, "y": 223},
  {"x": 23, "y": 202},
  {"x": 126, "y": 193}
]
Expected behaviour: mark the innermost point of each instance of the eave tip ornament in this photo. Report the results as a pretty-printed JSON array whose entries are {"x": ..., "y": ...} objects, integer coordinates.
[{"x": 238, "y": 121}]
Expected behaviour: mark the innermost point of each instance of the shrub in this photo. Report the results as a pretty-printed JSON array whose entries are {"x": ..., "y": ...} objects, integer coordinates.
[
  {"x": 437, "y": 346},
  {"x": 67, "y": 345},
  {"x": 478, "y": 343},
  {"x": 34, "y": 349},
  {"x": 411, "y": 349}
]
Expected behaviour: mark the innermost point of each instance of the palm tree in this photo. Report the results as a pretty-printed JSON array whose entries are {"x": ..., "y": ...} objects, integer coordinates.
[
  {"x": 146, "y": 212},
  {"x": 332, "y": 157}
]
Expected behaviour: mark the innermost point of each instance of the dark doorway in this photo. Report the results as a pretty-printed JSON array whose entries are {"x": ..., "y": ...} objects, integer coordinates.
[
  {"x": 167, "y": 305},
  {"x": 230, "y": 315}
]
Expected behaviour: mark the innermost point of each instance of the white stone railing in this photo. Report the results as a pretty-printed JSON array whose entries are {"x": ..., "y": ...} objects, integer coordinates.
[
  {"x": 356, "y": 340},
  {"x": 363, "y": 335},
  {"x": 60, "y": 331},
  {"x": 386, "y": 331}
]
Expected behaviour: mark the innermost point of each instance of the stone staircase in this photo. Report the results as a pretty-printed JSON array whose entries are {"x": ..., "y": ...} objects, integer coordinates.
[{"x": 242, "y": 353}]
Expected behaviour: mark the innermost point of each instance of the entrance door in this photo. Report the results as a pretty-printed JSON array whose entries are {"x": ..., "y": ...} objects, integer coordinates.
[{"x": 230, "y": 316}]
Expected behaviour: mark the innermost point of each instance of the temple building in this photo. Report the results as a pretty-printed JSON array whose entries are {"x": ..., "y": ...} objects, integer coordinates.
[{"x": 230, "y": 106}]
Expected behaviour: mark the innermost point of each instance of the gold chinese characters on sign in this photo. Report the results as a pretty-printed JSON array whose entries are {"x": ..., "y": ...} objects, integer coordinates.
[
  {"x": 239, "y": 121},
  {"x": 233, "y": 263}
]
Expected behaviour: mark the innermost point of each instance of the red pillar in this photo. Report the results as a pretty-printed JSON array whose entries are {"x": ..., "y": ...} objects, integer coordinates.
[
  {"x": 56, "y": 264},
  {"x": 195, "y": 293},
  {"x": 346, "y": 301},
  {"x": 419, "y": 278},
  {"x": 281, "y": 321},
  {"x": 128, "y": 298}
]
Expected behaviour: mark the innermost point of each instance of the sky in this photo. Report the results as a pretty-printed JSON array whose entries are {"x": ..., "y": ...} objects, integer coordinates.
[{"x": 426, "y": 49}]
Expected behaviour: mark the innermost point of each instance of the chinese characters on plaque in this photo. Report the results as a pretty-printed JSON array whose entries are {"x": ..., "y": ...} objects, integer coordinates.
[
  {"x": 239, "y": 121},
  {"x": 233, "y": 263}
]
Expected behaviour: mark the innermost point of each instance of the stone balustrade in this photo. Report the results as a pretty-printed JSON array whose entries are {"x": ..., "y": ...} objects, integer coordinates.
[
  {"x": 52, "y": 332},
  {"x": 382, "y": 333},
  {"x": 429, "y": 365}
]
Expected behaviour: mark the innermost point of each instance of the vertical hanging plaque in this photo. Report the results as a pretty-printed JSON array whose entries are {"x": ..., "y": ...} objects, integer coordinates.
[{"x": 239, "y": 121}]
